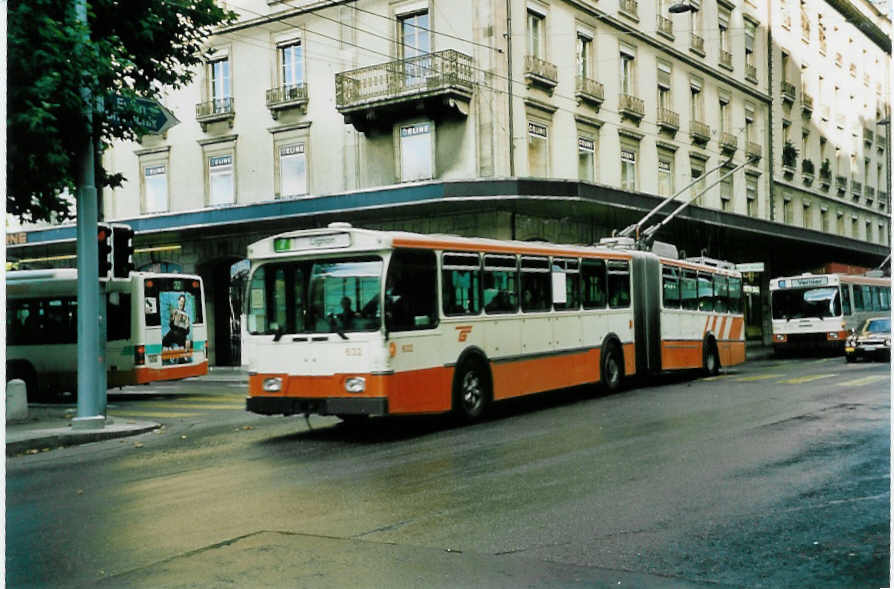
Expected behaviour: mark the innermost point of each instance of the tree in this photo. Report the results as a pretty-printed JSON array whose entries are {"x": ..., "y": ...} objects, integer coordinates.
[{"x": 135, "y": 48}]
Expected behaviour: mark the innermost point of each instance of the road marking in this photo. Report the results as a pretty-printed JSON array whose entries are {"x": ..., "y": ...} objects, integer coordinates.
[
  {"x": 865, "y": 380},
  {"x": 758, "y": 377},
  {"x": 718, "y": 377},
  {"x": 157, "y": 415},
  {"x": 806, "y": 379},
  {"x": 181, "y": 406}
]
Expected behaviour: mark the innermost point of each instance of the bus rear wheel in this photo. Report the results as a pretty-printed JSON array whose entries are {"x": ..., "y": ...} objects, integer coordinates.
[
  {"x": 612, "y": 368},
  {"x": 711, "y": 359},
  {"x": 471, "y": 390}
]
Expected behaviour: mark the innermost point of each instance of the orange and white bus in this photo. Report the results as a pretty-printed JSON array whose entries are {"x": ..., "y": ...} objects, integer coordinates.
[
  {"x": 155, "y": 329},
  {"x": 345, "y": 321},
  {"x": 817, "y": 311}
]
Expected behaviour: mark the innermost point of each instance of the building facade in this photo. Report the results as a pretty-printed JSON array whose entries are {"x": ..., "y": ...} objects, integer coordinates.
[{"x": 550, "y": 119}]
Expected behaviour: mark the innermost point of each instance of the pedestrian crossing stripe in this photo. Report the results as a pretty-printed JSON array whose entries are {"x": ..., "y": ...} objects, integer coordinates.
[
  {"x": 863, "y": 381},
  {"x": 806, "y": 379},
  {"x": 758, "y": 377}
]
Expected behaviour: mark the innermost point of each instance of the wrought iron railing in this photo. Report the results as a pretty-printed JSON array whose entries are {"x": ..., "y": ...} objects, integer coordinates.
[
  {"x": 631, "y": 105},
  {"x": 392, "y": 79},
  {"x": 286, "y": 94},
  {"x": 217, "y": 106}
]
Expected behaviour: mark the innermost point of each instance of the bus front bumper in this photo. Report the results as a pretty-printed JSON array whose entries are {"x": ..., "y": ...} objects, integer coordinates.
[{"x": 329, "y": 406}]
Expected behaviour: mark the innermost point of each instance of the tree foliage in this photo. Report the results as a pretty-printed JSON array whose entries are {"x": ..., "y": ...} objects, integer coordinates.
[{"x": 129, "y": 48}]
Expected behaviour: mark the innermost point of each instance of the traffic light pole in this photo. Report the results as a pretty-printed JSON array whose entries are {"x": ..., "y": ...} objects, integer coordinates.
[{"x": 91, "y": 307}]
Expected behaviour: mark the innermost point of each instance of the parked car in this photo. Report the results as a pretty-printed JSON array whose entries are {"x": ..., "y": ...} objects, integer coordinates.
[{"x": 871, "y": 340}]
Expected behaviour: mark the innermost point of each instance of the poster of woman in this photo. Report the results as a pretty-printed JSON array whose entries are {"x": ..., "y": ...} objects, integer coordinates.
[{"x": 178, "y": 314}]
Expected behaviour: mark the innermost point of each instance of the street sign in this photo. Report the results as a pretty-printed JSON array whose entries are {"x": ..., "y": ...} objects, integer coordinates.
[
  {"x": 750, "y": 267},
  {"x": 150, "y": 114}
]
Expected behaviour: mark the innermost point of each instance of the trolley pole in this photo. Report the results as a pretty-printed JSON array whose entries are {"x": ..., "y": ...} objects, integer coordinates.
[{"x": 91, "y": 339}]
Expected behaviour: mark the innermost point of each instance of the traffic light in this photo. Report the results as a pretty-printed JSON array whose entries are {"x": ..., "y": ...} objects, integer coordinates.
[
  {"x": 122, "y": 251},
  {"x": 104, "y": 236}
]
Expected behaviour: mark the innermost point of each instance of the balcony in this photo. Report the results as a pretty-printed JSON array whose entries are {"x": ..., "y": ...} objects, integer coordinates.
[
  {"x": 822, "y": 45},
  {"x": 436, "y": 84},
  {"x": 868, "y": 136},
  {"x": 751, "y": 73},
  {"x": 882, "y": 199},
  {"x": 726, "y": 59},
  {"x": 287, "y": 97},
  {"x": 840, "y": 120},
  {"x": 825, "y": 176},
  {"x": 668, "y": 120},
  {"x": 788, "y": 91},
  {"x": 787, "y": 22},
  {"x": 590, "y": 91},
  {"x": 700, "y": 132},
  {"x": 541, "y": 73},
  {"x": 729, "y": 143},
  {"x": 852, "y": 69},
  {"x": 806, "y": 103},
  {"x": 807, "y": 171},
  {"x": 631, "y": 107},
  {"x": 856, "y": 189},
  {"x": 696, "y": 44},
  {"x": 870, "y": 194},
  {"x": 630, "y": 9},
  {"x": 213, "y": 111},
  {"x": 841, "y": 183},
  {"x": 753, "y": 150},
  {"x": 866, "y": 79},
  {"x": 665, "y": 27}
]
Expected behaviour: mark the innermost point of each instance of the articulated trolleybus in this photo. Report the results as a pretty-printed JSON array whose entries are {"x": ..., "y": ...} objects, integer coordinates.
[
  {"x": 816, "y": 311},
  {"x": 155, "y": 329},
  {"x": 351, "y": 322}
]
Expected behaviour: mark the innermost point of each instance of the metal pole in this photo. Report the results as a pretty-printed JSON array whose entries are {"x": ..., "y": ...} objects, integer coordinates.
[
  {"x": 91, "y": 350},
  {"x": 509, "y": 87}
]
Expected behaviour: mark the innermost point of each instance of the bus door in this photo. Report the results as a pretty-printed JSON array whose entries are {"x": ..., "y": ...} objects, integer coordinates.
[{"x": 645, "y": 277}]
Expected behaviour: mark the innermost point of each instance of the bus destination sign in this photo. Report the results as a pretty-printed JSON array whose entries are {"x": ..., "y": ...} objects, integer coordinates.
[
  {"x": 311, "y": 242},
  {"x": 804, "y": 282}
]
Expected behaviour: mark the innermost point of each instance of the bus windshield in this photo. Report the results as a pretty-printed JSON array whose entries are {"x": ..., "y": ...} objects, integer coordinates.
[
  {"x": 316, "y": 296},
  {"x": 797, "y": 303}
]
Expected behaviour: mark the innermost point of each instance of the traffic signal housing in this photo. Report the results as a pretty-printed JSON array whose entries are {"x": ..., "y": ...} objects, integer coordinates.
[
  {"x": 122, "y": 251},
  {"x": 104, "y": 239}
]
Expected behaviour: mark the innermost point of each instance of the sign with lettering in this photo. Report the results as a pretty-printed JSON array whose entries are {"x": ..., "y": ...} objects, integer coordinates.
[
  {"x": 536, "y": 130},
  {"x": 221, "y": 160},
  {"x": 19, "y": 238},
  {"x": 585, "y": 144},
  {"x": 421, "y": 129},
  {"x": 324, "y": 241}
]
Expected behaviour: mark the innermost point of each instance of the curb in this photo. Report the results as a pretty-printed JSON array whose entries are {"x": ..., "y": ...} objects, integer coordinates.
[{"x": 53, "y": 438}]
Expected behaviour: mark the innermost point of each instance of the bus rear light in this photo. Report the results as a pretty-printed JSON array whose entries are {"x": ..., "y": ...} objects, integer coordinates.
[
  {"x": 780, "y": 337},
  {"x": 355, "y": 384},
  {"x": 139, "y": 355},
  {"x": 273, "y": 385}
]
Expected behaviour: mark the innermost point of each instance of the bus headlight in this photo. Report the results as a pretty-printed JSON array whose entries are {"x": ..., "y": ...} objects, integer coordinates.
[
  {"x": 355, "y": 384},
  {"x": 779, "y": 337},
  {"x": 273, "y": 385},
  {"x": 832, "y": 335}
]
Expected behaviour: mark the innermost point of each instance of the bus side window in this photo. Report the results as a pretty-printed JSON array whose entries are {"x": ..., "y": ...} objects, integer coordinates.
[
  {"x": 594, "y": 284},
  {"x": 735, "y": 294},
  {"x": 885, "y": 294},
  {"x": 461, "y": 283},
  {"x": 618, "y": 284},
  {"x": 876, "y": 302},
  {"x": 846, "y": 298},
  {"x": 500, "y": 284},
  {"x": 670, "y": 286},
  {"x": 721, "y": 293},
  {"x": 705, "y": 291},
  {"x": 689, "y": 290},
  {"x": 536, "y": 284},
  {"x": 257, "y": 303},
  {"x": 858, "y": 298},
  {"x": 411, "y": 291}
]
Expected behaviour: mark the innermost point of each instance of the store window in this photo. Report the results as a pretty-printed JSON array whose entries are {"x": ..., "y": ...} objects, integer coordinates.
[
  {"x": 221, "y": 184},
  {"x": 628, "y": 167},
  {"x": 292, "y": 170},
  {"x": 665, "y": 173},
  {"x": 586, "y": 159},
  {"x": 538, "y": 150},
  {"x": 417, "y": 152},
  {"x": 751, "y": 195}
]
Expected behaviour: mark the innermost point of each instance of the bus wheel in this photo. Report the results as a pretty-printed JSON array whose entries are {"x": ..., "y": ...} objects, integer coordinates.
[
  {"x": 711, "y": 359},
  {"x": 612, "y": 367},
  {"x": 470, "y": 390}
]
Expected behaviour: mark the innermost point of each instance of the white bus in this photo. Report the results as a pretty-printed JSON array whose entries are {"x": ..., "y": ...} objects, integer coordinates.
[
  {"x": 469, "y": 321},
  {"x": 155, "y": 329},
  {"x": 816, "y": 311}
]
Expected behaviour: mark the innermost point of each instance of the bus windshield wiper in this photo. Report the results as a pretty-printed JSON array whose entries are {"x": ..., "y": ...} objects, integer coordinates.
[
  {"x": 334, "y": 324},
  {"x": 278, "y": 333}
]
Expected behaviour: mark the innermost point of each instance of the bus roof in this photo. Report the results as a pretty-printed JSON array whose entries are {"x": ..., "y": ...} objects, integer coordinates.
[{"x": 338, "y": 237}]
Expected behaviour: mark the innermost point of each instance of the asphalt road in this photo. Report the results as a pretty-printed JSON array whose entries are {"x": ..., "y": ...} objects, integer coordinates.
[{"x": 773, "y": 474}]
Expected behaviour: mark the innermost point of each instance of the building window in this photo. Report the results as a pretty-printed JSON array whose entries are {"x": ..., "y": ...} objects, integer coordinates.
[
  {"x": 155, "y": 188},
  {"x": 221, "y": 186},
  {"x": 584, "y": 55},
  {"x": 417, "y": 152},
  {"x": 292, "y": 170},
  {"x": 726, "y": 191},
  {"x": 788, "y": 210},
  {"x": 868, "y": 236},
  {"x": 724, "y": 114},
  {"x": 664, "y": 87},
  {"x": 805, "y": 217},
  {"x": 586, "y": 159},
  {"x": 749, "y": 124},
  {"x": 882, "y": 233},
  {"x": 697, "y": 172},
  {"x": 723, "y": 26},
  {"x": 628, "y": 72},
  {"x": 750, "y": 36},
  {"x": 751, "y": 195},
  {"x": 628, "y": 167},
  {"x": 535, "y": 34},
  {"x": 220, "y": 80},
  {"x": 665, "y": 174},
  {"x": 695, "y": 102},
  {"x": 292, "y": 57},
  {"x": 840, "y": 223},
  {"x": 538, "y": 150},
  {"x": 855, "y": 227},
  {"x": 413, "y": 34}
]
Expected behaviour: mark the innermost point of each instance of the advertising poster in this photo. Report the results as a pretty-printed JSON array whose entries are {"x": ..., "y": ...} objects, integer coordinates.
[{"x": 178, "y": 313}]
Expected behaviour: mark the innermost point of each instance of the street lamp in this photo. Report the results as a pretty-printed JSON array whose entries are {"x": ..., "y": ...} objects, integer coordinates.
[{"x": 681, "y": 7}]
